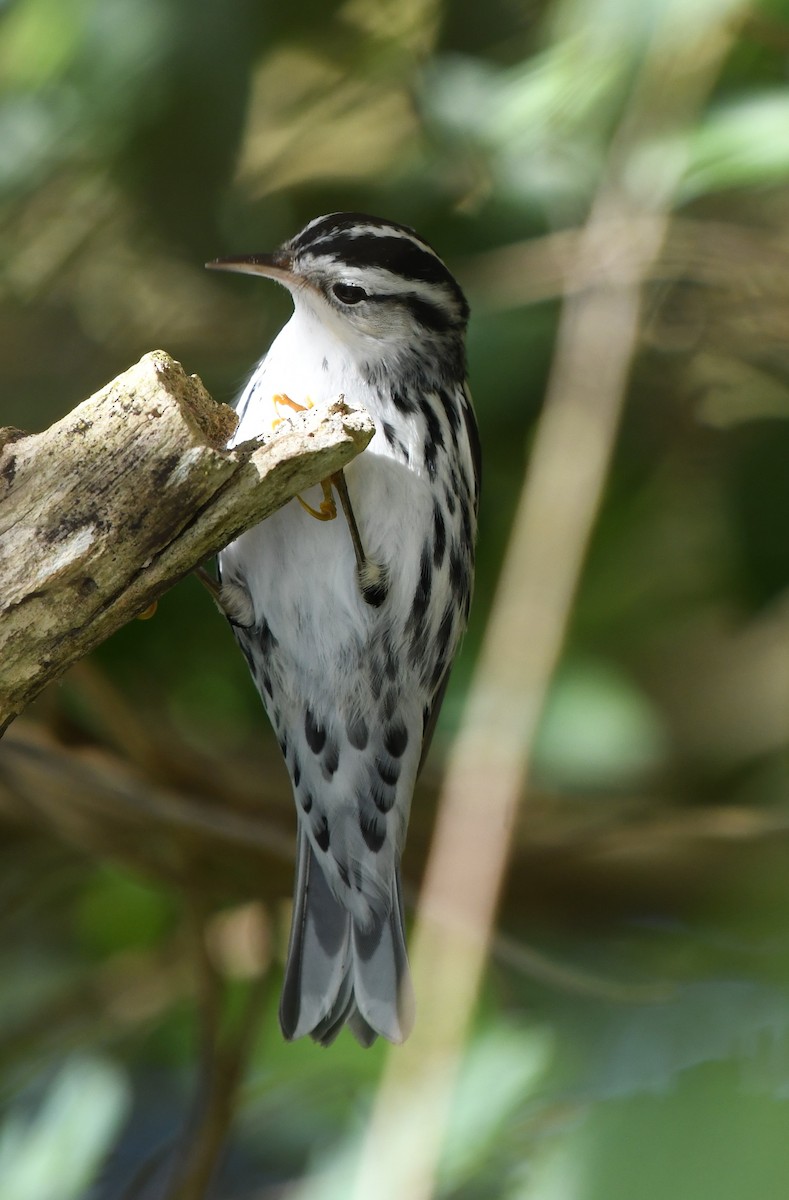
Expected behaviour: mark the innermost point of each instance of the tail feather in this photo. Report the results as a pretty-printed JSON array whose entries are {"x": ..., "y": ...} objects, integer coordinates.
[
  {"x": 319, "y": 952},
  {"x": 338, "y": 974},
  {"x": 382, "y": 982}
]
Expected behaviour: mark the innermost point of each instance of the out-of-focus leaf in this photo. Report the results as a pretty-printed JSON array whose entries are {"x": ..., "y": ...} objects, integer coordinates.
[
  {"x": 55, "y": 1151},
  {"x": 39, "y": 39},
  {"x": 119, "y": 911},
  {"x": 712, "y": 1139},
  {"x": 733, "y": 392},
  {"x": 634, "y": 1050},
  {"x": 742, "y": 143},
  {"x": 630, "y": 29},
  {"x": 501, "y": 1071},
  {"x": 497, "y": 1077},
  {"x": 540, "y": 123},
  {"x": 598, "y": 730}
]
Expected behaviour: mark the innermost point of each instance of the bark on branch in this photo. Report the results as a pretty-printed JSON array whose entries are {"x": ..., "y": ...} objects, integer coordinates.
[{"x": 107, "y": 509}]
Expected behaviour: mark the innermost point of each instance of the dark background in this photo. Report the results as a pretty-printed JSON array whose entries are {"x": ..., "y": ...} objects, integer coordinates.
[{"x": 644, "y": 1051}]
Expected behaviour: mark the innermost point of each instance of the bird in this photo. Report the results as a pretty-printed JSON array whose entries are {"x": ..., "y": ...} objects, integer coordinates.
[{"x": 350, "y": 625}]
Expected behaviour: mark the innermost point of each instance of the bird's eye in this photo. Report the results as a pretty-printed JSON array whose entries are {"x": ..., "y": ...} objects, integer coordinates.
[{"x": 348, "y": 293}]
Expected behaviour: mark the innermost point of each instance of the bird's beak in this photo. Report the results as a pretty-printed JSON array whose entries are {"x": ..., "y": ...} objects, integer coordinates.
[{"x": 278, "y": 265}]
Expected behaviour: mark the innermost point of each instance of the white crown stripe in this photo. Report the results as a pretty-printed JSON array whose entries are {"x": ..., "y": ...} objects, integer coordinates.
[
  {"x": 362, "y": 229},
  {"x": 381, "y": 231}
]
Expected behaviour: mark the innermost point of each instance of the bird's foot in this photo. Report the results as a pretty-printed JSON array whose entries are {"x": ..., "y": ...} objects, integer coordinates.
[
  {"x": 283, "y": 399},
  {"x": 327, "y": 510}
]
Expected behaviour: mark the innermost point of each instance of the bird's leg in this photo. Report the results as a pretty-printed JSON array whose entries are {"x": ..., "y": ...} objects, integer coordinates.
[
  {"x": 373, "y": 578},
  {"x": 338, "y": 480},
  {"x": 232, "y": 599}
]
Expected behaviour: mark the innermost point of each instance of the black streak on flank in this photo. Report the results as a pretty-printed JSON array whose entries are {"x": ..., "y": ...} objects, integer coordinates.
[
  {"x": 472, "y": 433},
  {"x": 404, "y": 403},
  {"x": 443, "y": 637},
  {"x": 373, "y": 832},
  {"x": 439, "y": 534},
  {"x": 322, "y": 836},
  {"x": 306, "y": 802},
  {"x": 394, "y": 441},
  {"x": 315, "y": 733},
  {"x": 434, "y": 440},
  {"x": 451, "y": 409},
  {"x": 389, "y": 771},
  {"x": 445, "y": 630},
  {"x": 266, "y": 639},
  {"x": 331, "y": 759},
  {"x": 297, "y": 773},
  {"x": 396, "y": 740},
  {"x": 465, "y": 517},
  {"x": 458, "y": 575},
  {"x": 423, "y": 589},
  {"x": 383, "y": 797},
  {"x": 449, "y": 496}
]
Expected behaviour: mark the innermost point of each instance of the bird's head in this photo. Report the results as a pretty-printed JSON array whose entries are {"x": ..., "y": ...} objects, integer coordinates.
[{"x": 371, "y": 282}]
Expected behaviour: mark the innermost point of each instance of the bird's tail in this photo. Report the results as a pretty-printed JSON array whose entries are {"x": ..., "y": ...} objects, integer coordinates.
[{"x": 337, "y": 973}]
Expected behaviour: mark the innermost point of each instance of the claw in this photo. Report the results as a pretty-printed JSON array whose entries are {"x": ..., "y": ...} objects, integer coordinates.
[
  {"x": 327, "y": 511},
  {"x": 284, "y": 399}
]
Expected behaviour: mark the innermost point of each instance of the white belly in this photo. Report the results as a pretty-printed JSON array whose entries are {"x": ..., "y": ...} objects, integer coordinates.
[{"x": 301, "y": 572}]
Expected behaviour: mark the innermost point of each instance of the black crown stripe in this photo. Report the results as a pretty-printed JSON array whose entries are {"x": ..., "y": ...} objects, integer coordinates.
[{"x": 361, "y": 241}]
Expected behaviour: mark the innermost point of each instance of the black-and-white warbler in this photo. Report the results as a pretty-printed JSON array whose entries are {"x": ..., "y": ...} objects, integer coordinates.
[{"x": 350, "y": 627}]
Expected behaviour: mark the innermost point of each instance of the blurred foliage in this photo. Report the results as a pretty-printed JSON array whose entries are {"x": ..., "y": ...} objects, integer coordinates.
[{"x": 632, "y": 1036}]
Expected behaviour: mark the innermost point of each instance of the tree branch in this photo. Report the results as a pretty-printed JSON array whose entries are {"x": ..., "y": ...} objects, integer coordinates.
[{"x": 108, "y": 508}]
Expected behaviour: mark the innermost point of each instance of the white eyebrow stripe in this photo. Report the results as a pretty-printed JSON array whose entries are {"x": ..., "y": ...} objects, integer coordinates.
[{"x": 380, "y": 281}]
